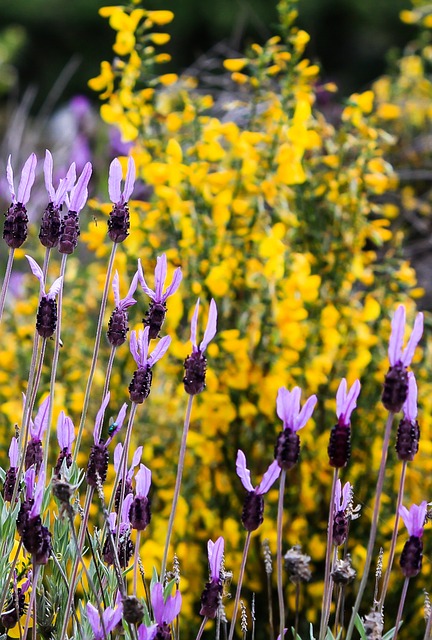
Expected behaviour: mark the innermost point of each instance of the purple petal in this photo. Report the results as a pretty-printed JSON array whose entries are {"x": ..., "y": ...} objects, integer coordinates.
[
  {"x": 79, "y": 193},
  {"x": 346, "y": 495},
  {"x": 143, "y": 345},
  {"x": 172, "y": 607},
  {"x": 112, "y": 617},
  {"x": 48, "y": 173},
  {"x": 194, "y": 323},
  {"x": 117, "y": 459},
  {"x": 133, "y": 346},
  {"x": 210, "y": 331},
  {"x": 242, "y": 471},
  {"x": 175, "y": 283},
  {"x": 341, "y": 396},
  {"x": 414, "y": 518},
  {"x": 415, "y": 337},
  {"x": 93, "y": 618},
  {"x": 337, "y": 496},
  {"x": 147, "y": 633},
  {"x": 119, "y": 420},
  {"x": 38, "y": 494},
  {"x": 410, "y": 405},
  {"x": 129, "y": 300},
  {"x": 159, "y": 351},
  {"x": 133, "y": 286},
  {"x": 160, "y": 276},
  {"x": 13, "y": 453},
  {"x": 41, "y": 419},
  {"x": 126, "y": 508},
  {"x": 65, "y": 185},
  {"x": 29, "y": 480},
  {"x": 135, "y": 461},
  {"x": 99, "y": 418},
  {"x": 116, "y": 289},
  {"x": 37, "y": 271},
  {"x": 269, "y": 478},
  {"x": 282, "y": 400},
  {"x": 157, "y": 601},
  {"x": 65, "y": 431},
  {"x": 10, "y": 181},
  {"x": 142, "y": 481},
  {"x": 396, "y": 336},
  {"x": 55, "y": 288},
  {"x": 130, "y": 179},
  {"x": 27, "y": 179},
  {"x": 306, "y": 413},
  {"x": 114, "y": 181},
  {"x": 347, "y": 402},
  {"x": 144, "y": 285},
  {"x": 215, "y": 557}
]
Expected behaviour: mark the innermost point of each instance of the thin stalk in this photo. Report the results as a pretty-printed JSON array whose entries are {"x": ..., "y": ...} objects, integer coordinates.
[
  {"x": 428, "y": 629},
  {"x": 201, "y": 629},
  {"x": 63, "y": 575},
  {"x": 374, "y": 524},
  {"x": 135, "y": 569},
  {"x": 394, "y": 537},
  {"x": 297, "y": 610},
  {"x": 401, "y": 606},
  {"x": 326, "y": 601},
  {"x": 239, "y": 584},
  {"x": 279, "y": 553},
  {"x": 6, "y": 280},
  {"x": 338, "y": 623},
  {"x": 32, "y": 603},
  {"x": 270, "y": 605},
  {"x": 95, "y": 351},
  {"x": 178, "y": 483},
  {"x": 109, "y": 371}
]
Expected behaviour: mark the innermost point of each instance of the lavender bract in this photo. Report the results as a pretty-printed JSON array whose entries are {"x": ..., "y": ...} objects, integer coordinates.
[
  {"x": 412, "y": 553},
  {"x": 253, "y": 508},
  {"x": 118, "y": 322},
  {"x": 339, "y": 448},
  {"x": 287, "y": 448},
  {"x": 139, "y": 387},
  {"x": 69, "y": 228},
  {"x": 195, "y": 365},
  {"x": 118, "y": 221},
  {"x": 408, "y": 433},
  {"x": 49, "y": 232},
  {"x": 156, "y": 312},
  {"x": 16, "y": 218},
  {"x": 211, "y": 596}
]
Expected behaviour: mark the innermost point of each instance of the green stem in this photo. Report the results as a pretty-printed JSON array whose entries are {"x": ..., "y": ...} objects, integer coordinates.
[
  {"x": 326, "y": 601},
  {"x": 6, "y": 281},
  {"x": 279, "y": 553},
  {"x": 401, "y": 606},
  {"x": 239, "y": 584}
]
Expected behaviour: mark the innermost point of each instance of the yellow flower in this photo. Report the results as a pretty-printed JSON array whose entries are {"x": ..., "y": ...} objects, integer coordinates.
[
  {"x": 160, "y": 38},
  {"x": 168, "y": 78},
  {"x": 235, "y": 64},
  {"x": 160, "y": 17}
]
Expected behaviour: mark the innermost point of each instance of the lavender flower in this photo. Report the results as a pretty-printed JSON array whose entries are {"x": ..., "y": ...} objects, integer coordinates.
[
  {"x": 139, "y": 513},
  {"x": 16, "y": 219},
  {"x": 97, "y": 466},
  {"x": 341, "y": 503},
  {"x": 211, "y": 596},
  {"x": 165, "y": 611},
  {"x": 69, "y": 229},
  {"x": 118, "y": 468},
  {"x": 156, "y": 312},
  {"x": 35, "y": 536},
  {"x": 412, "y": 553},
  {"x": 27, "y": 503},
  {"x": 253, "y": 508},
  {"x": 396, "y": 380},
  {"x": 147, "y": 633},
  {"x": 118, "y": 222},
  {"x": 118, "y": 322},
  {"x": 111, "y": 618},
  {"x": 46, "y": 317},
  {"x": 139, "y": 387},
  {"x": 65, "y": 437},
  {"x": 49, "y": 233},
  {"x": 408, "y": 434},
  {"x": 195, "y": 365},
  {"x": 34, "y": 455},
  {"x": 11, "y": 473},
  {"x": 339, "y": 449},
  {"x": 16, "y": 606},
  {"x": 125, "y": 546},
  {"x": 287, "y": 448}
]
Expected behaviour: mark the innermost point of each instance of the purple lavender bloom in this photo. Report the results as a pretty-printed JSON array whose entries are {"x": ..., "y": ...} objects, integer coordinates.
[
  {"x": 111, "y": 618},
  {"x": 139, "y": 387},
  {"x": 253, "y": 508},
  {"x": 412, "y": 553},
  {"x": 46, "y": 317},
  {"x": 35, "y": 536},
  {"x": 97, "y": 466},
  {"x": 147, "y": 633},
  {"x": 287, "y": 448},
  {"x": 65, "y": 437},
  {"x": 396, "y": 380},
  {"x": 164, "y": 611},
  {"x": 211, "y": 596},
  {"x": 69, "y": 229},
  {"x": 118, "y": 322},
  {"x": 139, "y": 512},
  {"x": 125, "y": 546},
  {"x": 342, "y": 500},
  {"x": 16, "y": 219},
  {"x": 408, "y": 433},
  {"x": 156, "y": 312},
  {"x": 118, "y": 222},
  {"x": 339, "y": 449},
  {"x": 27, "y": 503},
  {"x": 16, "y": 605},
  {"x": 50, "y": 225},
  {"x": 11, "y": 473},
  {"x": 118, "y": 467},
  {"x": 195, "y": 365},
  {"x": 34, "y": 455}
]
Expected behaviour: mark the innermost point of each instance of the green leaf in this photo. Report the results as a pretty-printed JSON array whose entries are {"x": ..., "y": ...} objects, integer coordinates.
[{"x": 360, "y": 627}]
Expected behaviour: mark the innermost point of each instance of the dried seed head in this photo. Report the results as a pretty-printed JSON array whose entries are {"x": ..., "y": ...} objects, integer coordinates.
[
  {"x": 243, "y": 617},
  {"x": 46, "y": 317},
  {"x": 407, "y": 439},
  {"x": 63, "y": 491},
  {"x": 253, "y": 511},
  {"x": 287, "y": 449},
  {"x": 15, "y": 226},
  {"x": 297, "y": 565},
  {"x": 343, "y": 572},
  {"x": 139, "y": 387},
  {"x": 118, "y": 494},
  {"x": 23, "y": 515},
  {"x": 427, "y": 606},
  {"x": 49, "y": 232},
  {"x": 195, "y": 367},
  {"x": 339, "y": 448},
  {"x": 268, "y": 560},
  {"x": 373, "y": 625},
  {"x": 133, "y": 610},
  {"x": 395, "y": 388}
]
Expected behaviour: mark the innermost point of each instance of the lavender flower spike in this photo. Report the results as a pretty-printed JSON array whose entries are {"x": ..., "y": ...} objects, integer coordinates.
[
  {"x": 16, "y": 219},
  {"x": 69, "y": 230},
  {"x": 408, "y": 433},
  {"x": 11, "y": 473},
  {"x": 165, "y": 611},
  {"x": 46, "y": 317},
  {"x": 50, "y": 225},
  {"x": 211, "y": 596},
  {"x": 287, "y": 448},
  {"x": 396, "y": 381},
  {"x": 253, "y": 508},
  {"x": 111, "y": 618},
  {"x": 139, "y": 513},
  {"x": 346, "y": 402},
  {"x": 195, "y": 365},
  {"x": 139, "y": 387},
  {"x": 125, "y": 546},
  {"x": 156, "y": 312},
  {"x": 147, "y": 633},
  {"x": 339, "y": 448},
  {"x": 118, "y": 322},
  {"x": 33, "y": 455},
  {"x": 118, "y": 467},
  {"x": 341, "y": 503},
  {"x": 412, "y": 553},
  {"x": 35, "y": 536},
  {"x": 118, "y": 222}
]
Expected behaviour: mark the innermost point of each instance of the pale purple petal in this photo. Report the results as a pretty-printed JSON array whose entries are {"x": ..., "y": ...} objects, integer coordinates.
[
  {"x": 341, "y": 397},
  {"x": 210, "y": 330},
  {"x": 194, "y": 324},
  {"x": 147, "y": 633},
  {"x": 117, "y": 459},
  {"x": 175, "y": 283},
  {"x": 130, "y": 179},
  {"x": 93, "y": 618},
  {"x": 269, "y": 478},
  {"x": 116, "y": 289},
  {"x": 10, "y": 180},
  {"x": 65, "y": 185},
  {"x": 346, "y": 495},
  {"x": 65, "y": 431},
  {"x": 119, "y": 421},
  {"x": 38, "y": 494},
  {"x": 410, "y": 405},
  {"x": 144, "y": 285},
  {"x": 215, "y": 558},
  {"x": 37, "y": 271},
  {"x": 306, "y": 413},
  {"x": 133, "y": 346},
  {"x": 157, "y": 601},
  {"x": 29, "y": 480},
  {"x": 282, "y": 400},
  {"x": 142, "y": 481},
  {"x": 159, "y": 351},
  {"x": 135, "y": 461},
  {"x": 79, "y": 193},
  {"x": 126, "y": 508},
  {"x": 112, "y": 617},
  {"x": 99, "y": 418},
  {"x": 55, "y": 288},
  {"x": 415, "y": 337},
  {"x": 112, "y": 519},
  {"x": 242, "y": 471},
  {"x": 143, "y": 345},
  {"x": 127, "y": 302},
  {"x": 114, "y": 181},
  {"x": 396, "y": 336},
  {"x": 337, "y": 496},
  {"x": 172, "y": 607},
  {"x": 41, "y": 419},
  {"x": 160, "y": 276},
  {"x": 133, "y": 286},
  {"x": 13, "y": 453},
  {"x": 346, "y": 402},
  {"x": 27, "y": 179},
  {"x": 414, "y": 518},
  {"x": 48, "y": 174}
]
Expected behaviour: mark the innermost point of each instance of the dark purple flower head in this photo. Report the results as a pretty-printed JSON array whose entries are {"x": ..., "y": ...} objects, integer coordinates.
[
  {"x": 57, "y": 196},
  {"x": 26, "y": 182},
  {"x": 395, "y": 353},
  {"x": 288, "y": 408},
  {"x": 165, "y": 610},
  {"x": 346, "y": 402},
  {"x": 158, "y": 296},
  {"x": 211, "y": 596},
  {"x": 341, "y": 516},
  {"x": 408, "y": 433},
  {"x": 98, "y": 460},
  {"x": 118, "y": 324},
  {"x": 11, "y": 473},
  {"x": 142, "y": 481},
  {"x": 33, "y": 454},
  {"x": 125, "y": 546},
  {"x": 195, "y": 365},
  {"x": 210, "y": 330},
  {"x": 410, "y": 405},
  {"x": 414, "y": 519},
  {"x": 46, "y": 317},
  {"x": 111, "y": 618},
  {"x": 117, "y": 196},
  {"x": 268, "y": 479},
  {"x": 139, "y": 344},
  {"x": 69, "y": 229},
  {"x": 139, "y": 513}
]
